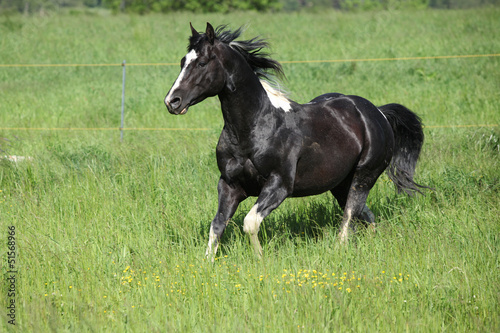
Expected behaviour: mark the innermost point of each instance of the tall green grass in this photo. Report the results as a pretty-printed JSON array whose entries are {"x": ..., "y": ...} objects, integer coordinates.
[{"x": 111, "y": 236}]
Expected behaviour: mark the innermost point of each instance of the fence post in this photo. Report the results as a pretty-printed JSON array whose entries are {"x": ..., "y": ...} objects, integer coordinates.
[{"x": 123, "y": 103}]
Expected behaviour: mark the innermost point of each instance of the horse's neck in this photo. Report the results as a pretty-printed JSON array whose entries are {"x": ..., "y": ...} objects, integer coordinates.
[{"x": 242, "y": 107}]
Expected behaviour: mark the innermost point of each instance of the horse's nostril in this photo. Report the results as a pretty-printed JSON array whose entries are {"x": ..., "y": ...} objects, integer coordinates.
[{"x": 175, "y": 102}]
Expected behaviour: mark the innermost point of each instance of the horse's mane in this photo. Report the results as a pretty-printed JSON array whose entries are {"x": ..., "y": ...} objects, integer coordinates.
[{"x": 252, "y": 50}]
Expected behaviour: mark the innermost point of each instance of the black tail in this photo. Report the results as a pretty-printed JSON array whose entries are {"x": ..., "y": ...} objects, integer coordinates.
[{"x": 408, "y": 137}]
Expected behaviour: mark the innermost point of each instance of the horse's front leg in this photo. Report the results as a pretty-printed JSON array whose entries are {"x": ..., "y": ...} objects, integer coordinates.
[
  {"x": 229, "y": 199},
  {"x": 271, "y": 196}
]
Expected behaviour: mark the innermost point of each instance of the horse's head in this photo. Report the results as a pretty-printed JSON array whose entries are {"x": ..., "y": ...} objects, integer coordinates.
[{"x": 201, "y": 73}]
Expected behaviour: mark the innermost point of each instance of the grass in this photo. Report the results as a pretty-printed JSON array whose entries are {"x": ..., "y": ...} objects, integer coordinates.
[{"x": 111, "y": 236}]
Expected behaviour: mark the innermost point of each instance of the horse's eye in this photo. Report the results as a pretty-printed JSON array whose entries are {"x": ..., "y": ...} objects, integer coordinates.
[{"x": 202, "y": 64}]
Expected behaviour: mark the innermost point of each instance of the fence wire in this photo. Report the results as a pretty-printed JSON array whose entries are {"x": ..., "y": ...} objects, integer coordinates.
[
  {"x": 121, "y": 129},
  {"x": 283, "y": 62}
]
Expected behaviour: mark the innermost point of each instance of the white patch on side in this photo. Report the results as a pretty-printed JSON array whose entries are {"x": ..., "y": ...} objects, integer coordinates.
[
  {"x": 192, "y": 55},
  {"x": 252, "y": 221},
  {"x": 277, "y": 98}
]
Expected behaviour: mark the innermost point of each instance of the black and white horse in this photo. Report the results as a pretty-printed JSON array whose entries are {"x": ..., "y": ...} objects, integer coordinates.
[{"x": 275, "y": 148}]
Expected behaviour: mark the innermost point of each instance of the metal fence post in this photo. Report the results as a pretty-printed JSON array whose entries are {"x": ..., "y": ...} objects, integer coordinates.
[{"x": 123, "y": 103}]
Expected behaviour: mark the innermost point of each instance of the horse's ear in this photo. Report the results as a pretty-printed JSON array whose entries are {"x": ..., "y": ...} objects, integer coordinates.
[
  {"x": 193, "y": 30},
  {"x": 210, "y": 33}
]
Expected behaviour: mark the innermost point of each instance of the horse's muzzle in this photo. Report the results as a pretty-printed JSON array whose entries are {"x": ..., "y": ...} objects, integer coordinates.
[{"x": 174, "y": 106}]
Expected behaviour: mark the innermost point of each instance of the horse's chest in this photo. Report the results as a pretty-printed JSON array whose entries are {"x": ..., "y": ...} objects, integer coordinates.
[{"x": 243, "y": 172}]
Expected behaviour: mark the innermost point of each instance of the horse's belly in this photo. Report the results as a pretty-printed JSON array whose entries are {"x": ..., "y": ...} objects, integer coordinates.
[{"x": 321, "y": 172}]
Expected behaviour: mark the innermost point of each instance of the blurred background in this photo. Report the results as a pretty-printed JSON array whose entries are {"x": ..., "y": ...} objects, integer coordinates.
[{"x": 165, "y": 6}]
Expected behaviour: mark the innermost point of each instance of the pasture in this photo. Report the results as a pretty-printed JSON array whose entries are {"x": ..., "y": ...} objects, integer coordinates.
[{"x": 111, "y": 236}]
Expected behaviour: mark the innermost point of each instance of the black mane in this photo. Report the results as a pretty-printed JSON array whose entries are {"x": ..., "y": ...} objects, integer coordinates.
[{"x": 252, "y": 50}]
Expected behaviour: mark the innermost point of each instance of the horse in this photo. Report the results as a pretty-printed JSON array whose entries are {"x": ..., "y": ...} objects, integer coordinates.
[{"x": 273, "y": 148}]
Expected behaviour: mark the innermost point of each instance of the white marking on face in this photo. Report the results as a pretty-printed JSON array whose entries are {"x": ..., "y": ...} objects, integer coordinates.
[
  {"x": 192, "y": 55},
  {"x": 252, "y": 221},
  {"x": 277, "y": 98}
]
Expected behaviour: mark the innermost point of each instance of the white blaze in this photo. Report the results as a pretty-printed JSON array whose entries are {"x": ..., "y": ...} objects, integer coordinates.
[{"x": 192, "y": 55}]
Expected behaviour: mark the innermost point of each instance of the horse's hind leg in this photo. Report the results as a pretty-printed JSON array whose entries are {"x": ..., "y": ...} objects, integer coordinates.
[
  {"x": 355, "y": 205},
  {"x": 367, "y": 216},
  {"x": 353, "y": 199},
  {"x": 341, "y": 193}
]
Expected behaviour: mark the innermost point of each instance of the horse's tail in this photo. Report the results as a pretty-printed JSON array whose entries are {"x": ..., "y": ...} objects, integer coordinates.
[{"x": 408, "y": 138}]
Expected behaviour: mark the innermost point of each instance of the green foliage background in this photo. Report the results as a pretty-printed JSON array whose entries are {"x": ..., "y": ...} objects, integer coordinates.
[{"x": 165, "y": 6}]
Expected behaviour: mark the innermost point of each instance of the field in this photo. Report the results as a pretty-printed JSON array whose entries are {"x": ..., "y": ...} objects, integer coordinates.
[{"x": 110, "y": 236}]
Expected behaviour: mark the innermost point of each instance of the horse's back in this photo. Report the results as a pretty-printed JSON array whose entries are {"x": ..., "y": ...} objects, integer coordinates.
[
  {"x": 325, "y": 97},
  {"x": 350, "y": 110}
]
